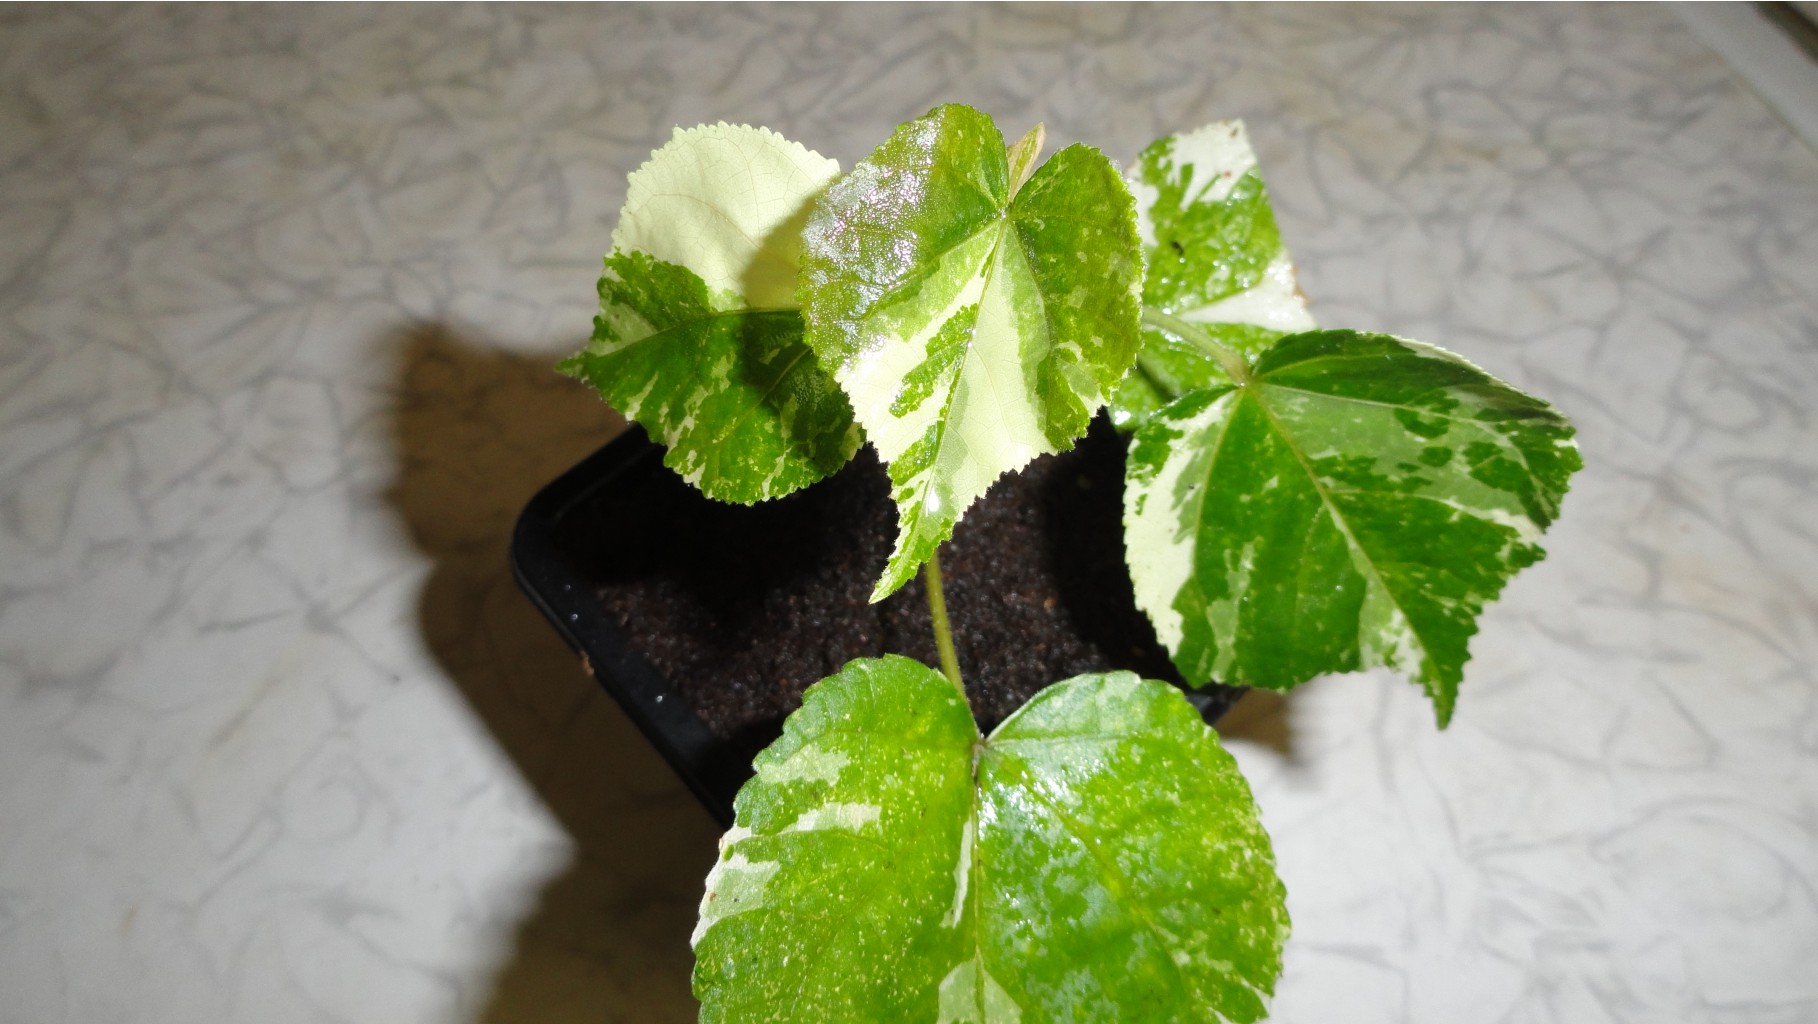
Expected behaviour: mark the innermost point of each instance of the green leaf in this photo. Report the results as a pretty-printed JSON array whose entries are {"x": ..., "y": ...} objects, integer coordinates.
[
  {"x": 698, "y": 336},
  {"x": 1098, "y": 858},
  {"x": 728, "y": 202},
  {"x": 1170, "y": 365},
  {"x": 974, "y": 325},
  {"x": 1356, "y": 503},
  {"x": 1215, "y": 259}
]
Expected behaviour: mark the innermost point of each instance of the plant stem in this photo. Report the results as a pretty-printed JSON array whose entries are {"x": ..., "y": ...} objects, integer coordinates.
[
  {"x": 943, "y": 632},
  {"x": 1228, "y": 358}
]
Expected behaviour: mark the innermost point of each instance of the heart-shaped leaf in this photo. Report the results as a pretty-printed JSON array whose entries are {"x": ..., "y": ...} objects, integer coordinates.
[
  {"x": 698, "y": 336},
  {"x": 1098, "y": 858}
]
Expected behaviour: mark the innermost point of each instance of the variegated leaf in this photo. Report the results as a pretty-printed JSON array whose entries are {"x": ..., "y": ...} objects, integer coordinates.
[
  {"x": 1215, "y": 259},
  {"x": 698, "y": 337},
  {"x": 1356, "y": 502},
  {"x": 975, "y": 324},
  {"x": 1098, "y": 858}
]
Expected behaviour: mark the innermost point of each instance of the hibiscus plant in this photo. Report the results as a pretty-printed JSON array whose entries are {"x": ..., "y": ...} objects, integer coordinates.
[{"x": 1298, "y": 501}]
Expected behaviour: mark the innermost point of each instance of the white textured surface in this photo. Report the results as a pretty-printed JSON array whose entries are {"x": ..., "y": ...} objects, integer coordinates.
[
  {"x": 278, "y": 293},
  {"x": 1782, "y": 71}
]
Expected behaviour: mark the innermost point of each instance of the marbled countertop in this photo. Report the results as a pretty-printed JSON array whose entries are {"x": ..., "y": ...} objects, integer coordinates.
[{"x": 279, "y": 293}]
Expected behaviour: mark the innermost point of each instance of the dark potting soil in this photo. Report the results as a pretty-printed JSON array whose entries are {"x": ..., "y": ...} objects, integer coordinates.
[{"x": 743, "y": 608}]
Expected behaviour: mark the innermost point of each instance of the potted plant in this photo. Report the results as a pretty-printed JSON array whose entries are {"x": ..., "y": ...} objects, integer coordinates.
[{"x": 1296, "y": 501}]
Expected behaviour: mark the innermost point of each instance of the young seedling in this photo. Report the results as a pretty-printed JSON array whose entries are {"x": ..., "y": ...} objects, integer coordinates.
[{"x": 1297, "y": 502}]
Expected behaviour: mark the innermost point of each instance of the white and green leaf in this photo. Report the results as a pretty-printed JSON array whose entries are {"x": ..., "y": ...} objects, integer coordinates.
[
  {"x": 1354, "y": 504},
  {"x": 1098, "y": 857},
  {"x": 1215, "y": 260},
  {"x": 699, "y": 337},
  {"x": 974, "y": 324}
]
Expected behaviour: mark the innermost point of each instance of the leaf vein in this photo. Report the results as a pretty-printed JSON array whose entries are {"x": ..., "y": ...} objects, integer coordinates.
[{"x": 1120, "y": 885}]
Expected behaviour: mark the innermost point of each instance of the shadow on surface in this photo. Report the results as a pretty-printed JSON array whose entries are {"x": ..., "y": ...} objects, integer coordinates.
[
  {"x": 477, "y": 432},
  {"x": 1264, "y": 718}
]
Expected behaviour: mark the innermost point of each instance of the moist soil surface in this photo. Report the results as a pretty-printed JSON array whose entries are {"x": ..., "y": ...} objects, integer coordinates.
[{"x": 742, "y": 608}]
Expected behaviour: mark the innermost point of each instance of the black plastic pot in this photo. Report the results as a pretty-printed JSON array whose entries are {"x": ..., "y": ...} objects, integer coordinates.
[
  {"x": 552, "y": 551},
  {"x": 555, "y": 582}
]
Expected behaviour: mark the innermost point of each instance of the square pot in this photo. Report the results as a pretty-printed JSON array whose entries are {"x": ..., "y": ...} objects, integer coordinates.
[{"x": 705, "y": 620}]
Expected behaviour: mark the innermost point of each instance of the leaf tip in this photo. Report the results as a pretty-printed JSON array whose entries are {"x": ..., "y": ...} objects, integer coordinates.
[{"x": 1023, "y": 155}]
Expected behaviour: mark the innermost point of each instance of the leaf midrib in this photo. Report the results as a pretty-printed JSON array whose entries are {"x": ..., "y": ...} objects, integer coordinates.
[
  {"x": 744, "y": 413},
  {"x": 1344, "y": 528},
  {"x": 932, "y": 262},
  {"x": 941, "y": 421},
  {"x": 1496, "y": 437},
  {"x": 1114, "y": 878},
  {"x": 976, "y": 882}
]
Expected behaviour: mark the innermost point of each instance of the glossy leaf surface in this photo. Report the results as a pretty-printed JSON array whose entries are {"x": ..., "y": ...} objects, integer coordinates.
[
  {"x": 1355, "y": 504},
  {"x": 1215, "y": 260},
  {"x": 1097, "y": 858},
  {"x": 974, "y": 324},
  {"x": 698, "y": 337}
]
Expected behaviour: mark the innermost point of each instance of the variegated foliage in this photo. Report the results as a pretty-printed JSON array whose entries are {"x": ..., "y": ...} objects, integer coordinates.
[
  {"x": 698, "y": 337},
  {"x": 1097, "y": 858},
  {"x": 976, "y": 310},
  {"x": 1354, "y": 502},
  {"x": 1215, "y": 261},
  {"x": 1302, "y": 502}
]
